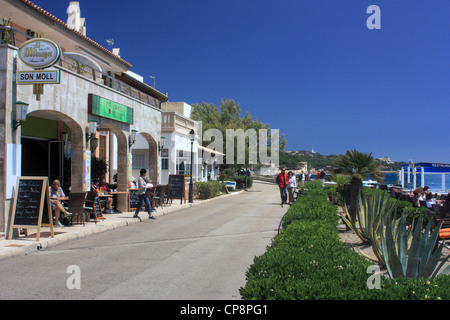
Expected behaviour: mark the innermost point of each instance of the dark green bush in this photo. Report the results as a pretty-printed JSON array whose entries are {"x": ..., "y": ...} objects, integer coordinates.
[
  {"x": 207, "y": 190},
  {"x": 307, "y": 260},
  {"x": 241, "y": 180}
]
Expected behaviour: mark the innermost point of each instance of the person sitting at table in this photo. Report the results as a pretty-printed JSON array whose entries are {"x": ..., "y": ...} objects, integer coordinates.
[
  {"x": 102, "y": 188},
  {"x": 429, "y": 200},
  {"x": 446, "y": 205},
  {"x": 95, "y": 184},
  {"x": 425, "y": 191},
  {"x": 56, "y": 193},
  {"x": 416, "y": 198}
]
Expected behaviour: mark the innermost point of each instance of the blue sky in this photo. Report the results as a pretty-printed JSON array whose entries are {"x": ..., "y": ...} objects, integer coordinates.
[{"x": 310, "y": 68}]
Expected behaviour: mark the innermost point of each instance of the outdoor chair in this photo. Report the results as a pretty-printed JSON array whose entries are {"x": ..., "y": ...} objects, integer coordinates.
[
  {"x": 89, "y": 205},
  {"x": 159, "y": 195},
  {"x": 167, "y": 195},
  {"x": 436, "y": 218},
  {"x": 444, "y": 232},
  {"x": 76, "y": 206},
  {"x": 437, "y": 209}
]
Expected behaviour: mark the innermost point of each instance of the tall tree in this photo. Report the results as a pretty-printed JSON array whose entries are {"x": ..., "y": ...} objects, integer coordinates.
[
  {"x": 358, "y": 165},
  {"x": 228, "y": 116}
]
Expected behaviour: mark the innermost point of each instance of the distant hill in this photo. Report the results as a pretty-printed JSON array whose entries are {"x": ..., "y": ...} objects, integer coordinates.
[{"x": 291, "y": 160}]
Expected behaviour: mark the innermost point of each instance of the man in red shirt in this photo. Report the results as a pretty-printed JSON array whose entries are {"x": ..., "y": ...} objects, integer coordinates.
[{"x": 283, "y": 181}]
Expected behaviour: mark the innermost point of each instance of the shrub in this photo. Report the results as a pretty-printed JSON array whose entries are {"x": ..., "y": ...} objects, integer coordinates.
[
  {"x": 207, "y": 190},
  {"x": 308, "y": 261},
  {"x": 240, "y": 181}
]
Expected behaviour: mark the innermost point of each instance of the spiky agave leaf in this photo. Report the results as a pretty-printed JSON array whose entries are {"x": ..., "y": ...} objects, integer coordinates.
[{"x": 421, "y": 259}]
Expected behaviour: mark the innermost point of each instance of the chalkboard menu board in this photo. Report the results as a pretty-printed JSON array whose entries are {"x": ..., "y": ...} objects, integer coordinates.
[
  {"x": 98, "y": 207},
  {"x": 31, "y": 207},
  {"x": 177, "y": 187},
  {"x": 133, "y": 199}
]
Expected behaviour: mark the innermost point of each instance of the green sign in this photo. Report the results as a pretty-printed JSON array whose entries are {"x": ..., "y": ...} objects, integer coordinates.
[{"x": 109, "y": 109}]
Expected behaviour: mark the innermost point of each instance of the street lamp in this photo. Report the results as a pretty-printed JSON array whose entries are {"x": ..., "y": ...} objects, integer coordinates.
[
  {"x": 90, "y": 133},
  {"x": 191, "y": 187},
  {"x": 21, "y": 114},
  {"x": 162, "y": 143},
  {"x": 132, "y": 138}
]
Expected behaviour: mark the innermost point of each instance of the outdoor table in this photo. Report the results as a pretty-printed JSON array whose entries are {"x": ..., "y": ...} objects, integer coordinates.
[
  {"x": 114, "y": 194},
  {"x": 104, "y": 196},
  {"x": 60, "y": 198}
]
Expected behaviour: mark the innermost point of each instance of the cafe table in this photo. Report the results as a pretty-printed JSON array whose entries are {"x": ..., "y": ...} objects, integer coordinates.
[{"x": 115, "y": 201}]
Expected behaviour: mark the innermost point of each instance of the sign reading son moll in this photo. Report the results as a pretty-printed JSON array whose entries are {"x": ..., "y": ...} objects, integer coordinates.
[
  {"x": 37, "y": 76},
  {"x": 39, "y": 53}
]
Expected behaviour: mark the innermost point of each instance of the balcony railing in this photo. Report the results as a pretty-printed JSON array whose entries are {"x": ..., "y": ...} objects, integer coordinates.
[{"x": 9, "y": 35}]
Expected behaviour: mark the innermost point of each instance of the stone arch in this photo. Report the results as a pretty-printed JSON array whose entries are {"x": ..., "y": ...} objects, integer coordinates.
[
  {"x": 122, "y": 154},
  {"x": 78, "y": 141},
  {"x": 153, "y": 163}
]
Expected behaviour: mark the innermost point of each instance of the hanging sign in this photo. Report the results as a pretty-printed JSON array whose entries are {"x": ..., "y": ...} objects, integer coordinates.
[
  {"x": 39, "y": 53},
  {"x": 109, "y": 109},
  {"x": 38, "y": 76}
]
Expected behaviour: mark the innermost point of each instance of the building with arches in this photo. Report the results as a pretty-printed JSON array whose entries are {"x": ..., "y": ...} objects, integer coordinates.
[{"x": 94, "y": 109}]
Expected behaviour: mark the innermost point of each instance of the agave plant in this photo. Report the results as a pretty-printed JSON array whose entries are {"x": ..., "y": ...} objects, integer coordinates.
[
  {"x": 372, "y": 213},
  {"x": 422, "y": 257}
]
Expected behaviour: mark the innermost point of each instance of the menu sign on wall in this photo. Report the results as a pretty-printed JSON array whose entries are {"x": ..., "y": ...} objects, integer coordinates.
[{"x": 109, "y": 109}]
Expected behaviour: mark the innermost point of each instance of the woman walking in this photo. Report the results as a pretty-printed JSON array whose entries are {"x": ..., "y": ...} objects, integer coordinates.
[
  {"x": 142, "y": 196},
  {"x": 291, "y": 186}
]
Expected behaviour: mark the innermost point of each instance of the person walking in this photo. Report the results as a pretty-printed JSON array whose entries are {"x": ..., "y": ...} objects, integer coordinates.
[
  {"x": 291, "y": 186},
  {"x": 142, "y": 196},
  {"x": 283, "y": 182}
]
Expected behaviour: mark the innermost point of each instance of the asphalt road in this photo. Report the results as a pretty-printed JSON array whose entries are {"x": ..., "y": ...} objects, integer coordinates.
[{"x": 198, "y": 253}]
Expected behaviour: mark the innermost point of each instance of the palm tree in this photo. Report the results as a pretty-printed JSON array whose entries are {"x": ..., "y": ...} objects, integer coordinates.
[{"x": 357, "y": 165}]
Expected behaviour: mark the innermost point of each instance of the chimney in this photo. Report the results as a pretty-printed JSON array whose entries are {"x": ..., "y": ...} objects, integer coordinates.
[
  {"x": 116, "y": 51},
  {"x": 74, "y": 21}
]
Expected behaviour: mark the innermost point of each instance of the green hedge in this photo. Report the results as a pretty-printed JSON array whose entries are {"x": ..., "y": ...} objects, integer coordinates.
[
  {"x": 207, "y": 190},
  {"x": 240, "y": 181},
  {"x": 308, "y": 261}
]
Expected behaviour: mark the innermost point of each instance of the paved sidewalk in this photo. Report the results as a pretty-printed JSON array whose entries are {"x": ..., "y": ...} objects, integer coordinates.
[{"x": 27, "y": 244}]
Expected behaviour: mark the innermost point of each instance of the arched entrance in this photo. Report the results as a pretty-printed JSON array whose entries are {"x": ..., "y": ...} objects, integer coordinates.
[
  {"x": 52, "y": 146},
  {"x": 121, "y": 152},
  {"x": 145, "y": 155}
]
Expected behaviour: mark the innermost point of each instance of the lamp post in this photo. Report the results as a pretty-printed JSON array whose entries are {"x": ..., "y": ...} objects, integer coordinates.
[
  {"x": 162, "y": 143},
  {"x": 90, "y": 134},
  {"x": 191, "y": 187},
  {"x": 21, "y": 114},
  {"x": 132, "y": 138}
]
